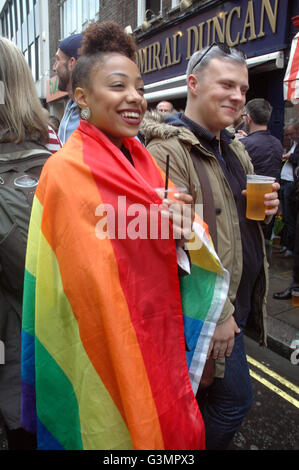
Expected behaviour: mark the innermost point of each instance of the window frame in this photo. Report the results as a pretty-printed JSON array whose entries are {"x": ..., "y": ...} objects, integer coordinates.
[
  {"x": 84, "y": 12},
  {"x": 141, "y": 11}
]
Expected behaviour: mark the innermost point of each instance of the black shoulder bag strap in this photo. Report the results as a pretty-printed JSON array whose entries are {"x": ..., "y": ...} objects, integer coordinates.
[{"x": 209, "y": 210}]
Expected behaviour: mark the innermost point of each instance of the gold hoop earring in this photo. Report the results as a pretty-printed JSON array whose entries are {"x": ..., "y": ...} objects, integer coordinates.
[{"x": 85, "y": 114}]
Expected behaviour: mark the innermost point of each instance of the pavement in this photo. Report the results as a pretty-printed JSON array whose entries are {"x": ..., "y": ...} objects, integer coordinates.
[{"x": 283, "y": 318}]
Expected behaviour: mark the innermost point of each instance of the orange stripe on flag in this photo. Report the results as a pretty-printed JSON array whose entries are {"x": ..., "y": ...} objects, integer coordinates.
[{"x": 100, "y": 305}]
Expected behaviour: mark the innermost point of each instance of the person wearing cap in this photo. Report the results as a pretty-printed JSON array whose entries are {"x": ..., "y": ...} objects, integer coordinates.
[{"x": 65, "y": 61}]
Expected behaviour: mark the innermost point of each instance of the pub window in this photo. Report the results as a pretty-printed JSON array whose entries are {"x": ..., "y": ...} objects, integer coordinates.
[
  {"x": 15, "y": 15},
  {"x": 36, "y": 19},
  {"x": 11, "y": 21},
  {"x": 144, "y": 5},
  {"x": 24, "y": 9},
  {"x": 37, "y": 62},
  {"x": 174, "y": 3},
  {"x": 76, "y": 14},
  {"x": 20, "y": 13},
  {"x": 6, "y": 24},
  {"x": 32, "y": 60},
  {"x": 31, "y": 34},
  {"x": 24, "y": 36},
  {"x": 2, "y": 26},
  {"x": 26, "y": 56},
  {"x": 19, "y": 38},
  {"x": 154, "y": 5}
]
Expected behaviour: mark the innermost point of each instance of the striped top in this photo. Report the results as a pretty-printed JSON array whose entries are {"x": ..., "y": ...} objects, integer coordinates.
[
  {"x": 54, "y": 143},
  {"x": 291, "y": 78}
]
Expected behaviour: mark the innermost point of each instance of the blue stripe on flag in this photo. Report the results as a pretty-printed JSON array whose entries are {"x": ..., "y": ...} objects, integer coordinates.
[
  {"x": 46, "y": 441},
  {"x": 192, "y": 329},
  {"x": 28, "y": 365}
]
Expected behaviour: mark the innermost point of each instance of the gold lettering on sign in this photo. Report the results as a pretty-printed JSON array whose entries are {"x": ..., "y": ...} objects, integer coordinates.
[
  {"x": 153, "y": 59},
  {"x": 167, "y": 54},
  {"x": 197, "y": 32},
  {"x": 249, "y": 23},
  {"x": 209, "y": 21},
  {"x": 200, "y": 42},
  {"x": 272, "y": 16},
  {"x": 142, "y": 60},
  {"x": 175, "y": 59},
  {"x": 229, "y": 39},
  {"x": 149, "y": 62},
  {"x": 194, "y": 30},
  {"x": 156, "y": 53},
  {"x": 217, "y": 28}
]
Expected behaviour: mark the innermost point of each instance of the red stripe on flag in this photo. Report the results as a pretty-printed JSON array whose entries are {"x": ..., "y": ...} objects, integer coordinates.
[{"x": 149, "y": 279}]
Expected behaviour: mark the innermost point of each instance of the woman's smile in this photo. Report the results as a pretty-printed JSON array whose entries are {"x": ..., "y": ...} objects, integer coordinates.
[{"x": 131, "y": 116}]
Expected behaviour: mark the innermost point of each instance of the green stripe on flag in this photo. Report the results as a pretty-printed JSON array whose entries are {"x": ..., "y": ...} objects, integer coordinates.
[
  {"x": 28, "y": 303},
  {"x": 197, "y": 292},
  {"x": 57, "y": 406}
]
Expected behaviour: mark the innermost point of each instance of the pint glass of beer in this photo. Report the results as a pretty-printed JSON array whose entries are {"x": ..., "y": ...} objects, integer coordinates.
[
  {"x": 257, "y": 187},
  {"x": 295, "y": 297}
]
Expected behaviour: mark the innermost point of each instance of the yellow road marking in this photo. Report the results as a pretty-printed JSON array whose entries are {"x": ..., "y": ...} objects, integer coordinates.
[
  {"x": 275, "y": 376},
  {"x": 275, "y": 389}
]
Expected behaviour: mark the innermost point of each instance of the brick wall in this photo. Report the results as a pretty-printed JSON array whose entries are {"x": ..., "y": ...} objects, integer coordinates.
[
  {"x": 123, "y": 12},
  {"x": 54, "y": 30},
  {"x": 166, "y": 6}
]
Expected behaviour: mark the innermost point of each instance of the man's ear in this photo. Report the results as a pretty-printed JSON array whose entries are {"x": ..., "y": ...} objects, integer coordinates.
[
  {"x": 80, "y": 96},
  {"x": 249, "y": 119},
  {"x": 71, "y": 63},
  {"x": 193, "y": 83}
]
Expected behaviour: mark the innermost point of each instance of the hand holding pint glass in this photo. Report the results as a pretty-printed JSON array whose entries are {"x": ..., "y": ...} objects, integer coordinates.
[
  {"x": 295, "y": 297},
  {"x": 262, "y": 198}
]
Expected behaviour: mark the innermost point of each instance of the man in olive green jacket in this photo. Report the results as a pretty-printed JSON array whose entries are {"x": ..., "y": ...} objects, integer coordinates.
[{"x": 217, "y": 83}]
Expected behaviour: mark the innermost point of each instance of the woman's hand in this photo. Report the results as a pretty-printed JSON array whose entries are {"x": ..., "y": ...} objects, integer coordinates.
[{"x": 181, "y": 213}]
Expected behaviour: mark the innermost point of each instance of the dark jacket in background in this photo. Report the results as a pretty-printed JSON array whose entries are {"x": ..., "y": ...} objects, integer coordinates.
[
  {"x": 265, "y": 151},
  {"x": 14, "y": 220}
]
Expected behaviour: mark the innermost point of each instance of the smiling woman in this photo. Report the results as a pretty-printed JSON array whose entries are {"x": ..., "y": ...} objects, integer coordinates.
[
  {"x": 103, "y": 354},
  {"x": 107, "y": 82},
  {"x": 114, "y": 97}
]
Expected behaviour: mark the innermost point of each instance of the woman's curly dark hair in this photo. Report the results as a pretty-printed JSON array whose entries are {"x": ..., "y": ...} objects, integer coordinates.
[
  {"x": 99, "y": 39},
  {"x": 107, "y": 36}
]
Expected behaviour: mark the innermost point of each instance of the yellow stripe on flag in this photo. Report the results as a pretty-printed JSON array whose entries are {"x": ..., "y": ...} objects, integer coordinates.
[{"x": 96, "y": 407}]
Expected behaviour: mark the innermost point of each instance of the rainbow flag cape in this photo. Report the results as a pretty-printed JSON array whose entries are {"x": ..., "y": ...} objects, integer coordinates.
[
  {"x": 103, "y": 348},
  {"x": 203, "y": 294}
]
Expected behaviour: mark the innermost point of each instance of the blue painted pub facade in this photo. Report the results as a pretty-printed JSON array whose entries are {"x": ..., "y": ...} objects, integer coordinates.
[{"x": 263, "y": 29}]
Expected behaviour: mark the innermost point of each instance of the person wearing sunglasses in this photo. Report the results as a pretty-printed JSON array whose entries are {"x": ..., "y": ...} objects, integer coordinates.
[{"x": 217, "y": 80}]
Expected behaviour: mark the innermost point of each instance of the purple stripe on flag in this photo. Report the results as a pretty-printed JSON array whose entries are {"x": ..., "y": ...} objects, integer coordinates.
[{"x": 28, "y": 413}]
